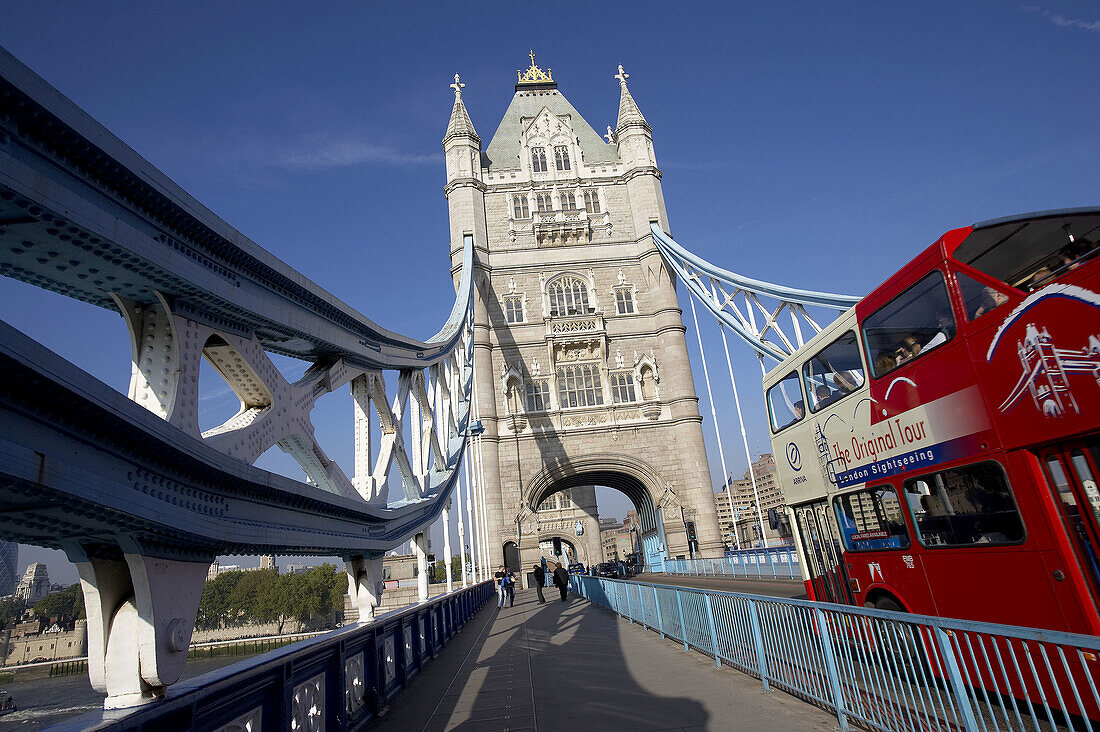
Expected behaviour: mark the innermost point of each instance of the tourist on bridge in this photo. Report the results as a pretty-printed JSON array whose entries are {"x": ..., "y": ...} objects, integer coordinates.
[
  {"x": 540, "y": 581},
  {"x": 506, "y": 586},
  {"x": 561, "y": 581}
]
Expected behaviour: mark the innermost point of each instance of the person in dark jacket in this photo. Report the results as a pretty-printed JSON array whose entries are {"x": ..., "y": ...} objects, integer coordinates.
[
  {"x": 540, "y": 582},
  {"x": 561, "y": 581}
]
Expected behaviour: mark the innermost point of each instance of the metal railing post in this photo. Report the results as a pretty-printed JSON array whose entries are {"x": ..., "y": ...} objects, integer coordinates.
[
  {"x": 683, "y": 628},
  {"x": 629, "y": 604},
  {"x": 772, "y": 559},
  {"x": 758, "y": 641},
  {"x": 713, "y": 631},
  {"x": 657, "y": 607},
  {"x": 831, "y": 667},
  {"x": 954, "y": 676}
]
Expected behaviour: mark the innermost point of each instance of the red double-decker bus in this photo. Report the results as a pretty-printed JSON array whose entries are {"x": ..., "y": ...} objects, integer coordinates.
[{"x": 939, "y": 443}]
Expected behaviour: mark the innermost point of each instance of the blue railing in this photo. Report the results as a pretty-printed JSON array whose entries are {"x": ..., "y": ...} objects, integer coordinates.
[
  {"x": 337, "y": 681},
  {"x": 879, "y": 669},
  {"x": 771, "y": 562}
]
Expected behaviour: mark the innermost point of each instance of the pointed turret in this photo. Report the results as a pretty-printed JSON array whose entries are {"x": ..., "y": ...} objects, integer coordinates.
[
  {"x": 460, "y": 124},
  {"x": 629, "y": 114}
]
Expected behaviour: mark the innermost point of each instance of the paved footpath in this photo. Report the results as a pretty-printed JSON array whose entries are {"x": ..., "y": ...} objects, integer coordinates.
[{"x": 575, "y": 666}]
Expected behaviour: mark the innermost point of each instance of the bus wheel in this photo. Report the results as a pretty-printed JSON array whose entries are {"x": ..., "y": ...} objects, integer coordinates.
[
  {"x": 885, "y": 602},
  {"x": 903, "y": 644}
]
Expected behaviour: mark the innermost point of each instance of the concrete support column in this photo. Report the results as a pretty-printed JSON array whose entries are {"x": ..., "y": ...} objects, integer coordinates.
[
  {"x": 420, "y": 549},
  {"x": 364, "y": 584},
  {"x": 141, "y": 614}
]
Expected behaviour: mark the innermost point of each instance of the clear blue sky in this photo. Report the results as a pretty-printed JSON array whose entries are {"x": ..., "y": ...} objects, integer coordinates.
[{"x": 813, "y": 144}]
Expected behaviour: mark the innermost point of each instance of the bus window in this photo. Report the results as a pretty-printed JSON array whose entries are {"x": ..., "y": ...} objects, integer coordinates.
[
  {"x": 871, "y": 519},
  {"x": 966, "y": 506},
  {"x": 785, "y": 402},
  {"x": 910, "y": 325},
  {"x": 834, "y": 372},
  {"x": 979, "y": 298},
  {"x": 1029, "y": 254}
]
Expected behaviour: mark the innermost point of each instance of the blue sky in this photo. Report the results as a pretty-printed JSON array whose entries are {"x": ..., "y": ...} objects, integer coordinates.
[{"x": 814, "y": 144}]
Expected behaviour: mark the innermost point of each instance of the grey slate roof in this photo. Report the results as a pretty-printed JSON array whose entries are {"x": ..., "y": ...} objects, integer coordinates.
[{"x": 503, "y": 151}]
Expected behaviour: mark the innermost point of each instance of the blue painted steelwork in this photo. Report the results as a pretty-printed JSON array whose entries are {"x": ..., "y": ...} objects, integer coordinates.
[
  {"x": 360, "y": 668},
  {"x": 654, "y": 550},
  {"x": 83, "y": 215},
  {"x": 723, "y": 286},
  {"x": 879, "y": 669},
  {"x": 778, "y": 562}
]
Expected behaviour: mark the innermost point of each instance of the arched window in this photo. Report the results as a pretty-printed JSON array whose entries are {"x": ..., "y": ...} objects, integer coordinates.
[
  {"x": 561, "y": 157},
  {"x": 543, "y": 202},
  {"x": 591, "y": 201},
  {"x": 568, "y": 296},
  {"x": 519, "y": 207},
  {"x": 568, "y": 201},
  {"x": 538, "y": 159}
]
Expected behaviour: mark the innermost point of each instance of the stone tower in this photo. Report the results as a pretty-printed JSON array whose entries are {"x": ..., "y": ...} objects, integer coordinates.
[{"x": 582, "y": 374}]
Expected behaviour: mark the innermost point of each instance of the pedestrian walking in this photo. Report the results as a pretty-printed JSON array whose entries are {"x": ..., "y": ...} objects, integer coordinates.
[
  {"x": 501, "y": 592},
  {"x": 540, "y": 582},
  {"x": 561, "y": 581},
  {"x": 508, "y": 582}
]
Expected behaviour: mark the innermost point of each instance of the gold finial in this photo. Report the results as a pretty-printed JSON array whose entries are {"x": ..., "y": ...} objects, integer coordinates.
[{"x": 534, "y": 74}]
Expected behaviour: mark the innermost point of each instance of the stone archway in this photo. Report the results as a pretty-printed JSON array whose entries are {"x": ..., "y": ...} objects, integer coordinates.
[{"x": 629, "y": 475}]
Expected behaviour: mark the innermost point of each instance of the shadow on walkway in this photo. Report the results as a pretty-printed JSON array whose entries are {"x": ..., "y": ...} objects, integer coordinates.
[{"x": 558, "y": 666}]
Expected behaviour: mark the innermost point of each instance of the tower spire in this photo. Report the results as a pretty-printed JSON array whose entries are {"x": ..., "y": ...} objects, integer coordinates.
[
  {"x": 460, "y": 124},
  {"x": 628, "y": 109}
]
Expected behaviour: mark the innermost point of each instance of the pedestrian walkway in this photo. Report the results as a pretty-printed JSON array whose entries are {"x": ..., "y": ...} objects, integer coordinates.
[{"x": 575, "y": 666}]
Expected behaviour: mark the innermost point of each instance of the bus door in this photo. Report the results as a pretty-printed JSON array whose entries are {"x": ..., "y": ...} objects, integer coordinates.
[
  {"x": 1071, "y": 470},
  {"x": 823, "y": 553}
]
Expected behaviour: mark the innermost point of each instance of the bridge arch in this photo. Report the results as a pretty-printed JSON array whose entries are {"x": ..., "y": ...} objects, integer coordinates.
[{"x": 631, "y": 476}]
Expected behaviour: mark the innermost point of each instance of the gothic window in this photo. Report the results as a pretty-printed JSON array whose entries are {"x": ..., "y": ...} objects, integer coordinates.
[
  {"x": 561, "y": 157},
  {"x": 519, "y": 207},
  {"x": 538, "y": 395},
  {"x": 513, "y": 308},
  {"x": 550, "y": 503},
  {"x": 622, "y": 388},
  {"x": 568, "y": 296},
  {"x": 579, "y": 385},
  {"x": 568, "y": 201},
  {"x": 543, "y": 202},
  {"x": 624, "y": 301},
  {"x": 591, "y": 201},
  {"x": 538, "y": 159}
]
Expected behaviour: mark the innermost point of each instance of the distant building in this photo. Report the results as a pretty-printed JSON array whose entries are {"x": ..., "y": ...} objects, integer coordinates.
[
  {"x": 35, "y": 584},
  {"x": 619, "y": 541},
  {"x": 9, "y": 562},
  {"x": 268, "y": 562},
  {"x": 744, "y": 497}
]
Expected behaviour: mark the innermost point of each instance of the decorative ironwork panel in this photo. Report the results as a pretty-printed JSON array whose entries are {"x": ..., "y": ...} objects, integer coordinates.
[
  {"x": 250, "y": 721},
  {"x": 355, "y": 683},
  {"x": 308, "y": 706}
]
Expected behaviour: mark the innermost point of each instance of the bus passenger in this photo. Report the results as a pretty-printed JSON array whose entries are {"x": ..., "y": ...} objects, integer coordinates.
[
  {"x": 946, "y": 329},
  {"x": 823, "y": 396},
  {"x": 884, "y": 362},
  {"x": 990, "y": 299}
]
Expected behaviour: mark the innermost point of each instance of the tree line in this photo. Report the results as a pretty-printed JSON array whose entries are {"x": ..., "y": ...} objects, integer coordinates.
[{"x": 265, "y": 596}]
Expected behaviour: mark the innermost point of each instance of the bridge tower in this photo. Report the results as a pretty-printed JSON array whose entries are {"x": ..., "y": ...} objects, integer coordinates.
[{"x": 582, "y": 374}]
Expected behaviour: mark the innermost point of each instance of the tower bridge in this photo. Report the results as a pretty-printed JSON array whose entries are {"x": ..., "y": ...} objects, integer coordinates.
[{"x": 562, "y": 366}]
